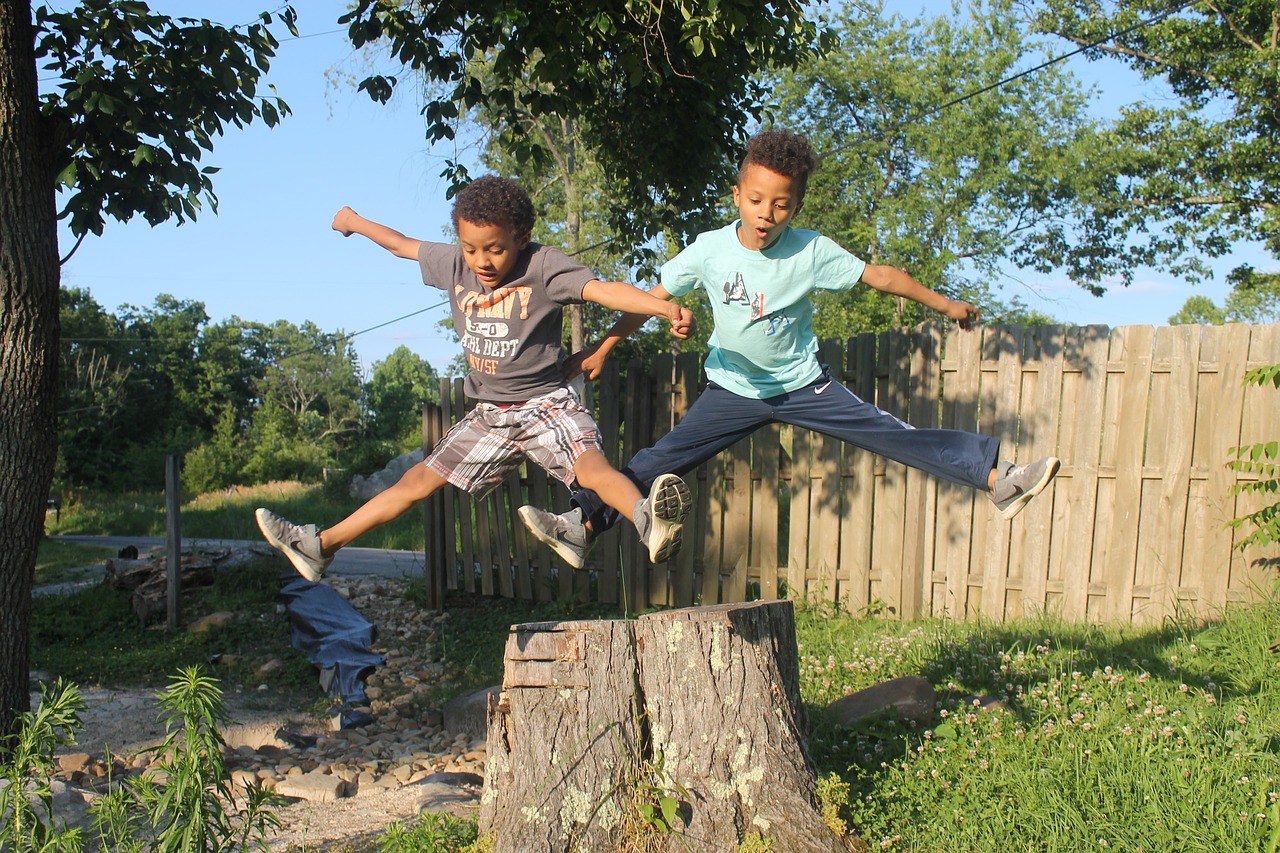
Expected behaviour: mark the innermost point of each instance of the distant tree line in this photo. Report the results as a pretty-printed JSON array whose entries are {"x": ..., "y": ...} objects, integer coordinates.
[{"x": 241, "y": 402}]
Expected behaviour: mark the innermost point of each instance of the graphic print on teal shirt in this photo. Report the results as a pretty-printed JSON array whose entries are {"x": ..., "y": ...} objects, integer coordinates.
[{"x": 763, "y": 343}]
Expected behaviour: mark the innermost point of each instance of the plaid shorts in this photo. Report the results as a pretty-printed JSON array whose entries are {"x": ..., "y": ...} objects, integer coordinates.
[{"x": 491, "y": 440}]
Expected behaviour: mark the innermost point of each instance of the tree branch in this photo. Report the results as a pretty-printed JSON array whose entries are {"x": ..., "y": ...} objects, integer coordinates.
[
  {"x": 1235, "y": 31},
  {"x": 1121, "y": 50}
]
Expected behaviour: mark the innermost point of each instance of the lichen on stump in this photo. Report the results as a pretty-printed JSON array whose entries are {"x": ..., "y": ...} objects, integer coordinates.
[{"x": 705, "y": 698}]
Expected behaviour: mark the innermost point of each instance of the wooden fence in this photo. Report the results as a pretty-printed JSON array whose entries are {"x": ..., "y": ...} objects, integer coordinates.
[{"x": 1134, "y": 528}]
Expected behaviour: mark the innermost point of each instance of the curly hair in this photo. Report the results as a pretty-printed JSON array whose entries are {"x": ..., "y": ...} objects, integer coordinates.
[
  {"x": 491, "y": 200},
  {"x": 780, "y": 151}
]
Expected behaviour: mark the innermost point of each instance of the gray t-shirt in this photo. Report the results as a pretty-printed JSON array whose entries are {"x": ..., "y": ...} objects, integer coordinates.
[{"x": 511, "y": 333}]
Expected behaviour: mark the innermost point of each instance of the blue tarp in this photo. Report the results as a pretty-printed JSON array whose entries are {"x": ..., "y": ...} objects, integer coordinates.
[{"x": 336, "y": 638}]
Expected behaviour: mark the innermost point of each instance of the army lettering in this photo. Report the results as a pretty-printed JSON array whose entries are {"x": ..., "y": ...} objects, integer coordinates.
[{"x": 486, "y": 336}]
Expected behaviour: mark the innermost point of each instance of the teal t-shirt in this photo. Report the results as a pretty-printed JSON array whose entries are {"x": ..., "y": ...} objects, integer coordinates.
[{"x": 763, "y": 344}]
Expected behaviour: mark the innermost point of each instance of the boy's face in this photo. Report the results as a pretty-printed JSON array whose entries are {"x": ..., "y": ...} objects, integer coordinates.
[
  {"x": 491, "y": 251},
  {"x": 766, "y": 201}
]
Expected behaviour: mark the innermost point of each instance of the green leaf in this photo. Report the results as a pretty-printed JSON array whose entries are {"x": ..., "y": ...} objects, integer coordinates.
[{"x": 670, "y": 809}]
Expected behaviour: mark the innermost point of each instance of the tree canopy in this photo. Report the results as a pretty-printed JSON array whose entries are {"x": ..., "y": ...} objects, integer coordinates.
[
  {"x": 138, "y": 98},
  {"x": 661, "y": 93},
  {"x": 951, "y": 192},
  {"x": 1191, "y": 178}
]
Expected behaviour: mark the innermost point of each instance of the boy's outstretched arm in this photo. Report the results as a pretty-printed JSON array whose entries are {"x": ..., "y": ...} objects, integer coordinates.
[
  {"x": 892, "y": 280},
  {"x": 637, "y": 306},
  {"x": 347, "y": 222}
]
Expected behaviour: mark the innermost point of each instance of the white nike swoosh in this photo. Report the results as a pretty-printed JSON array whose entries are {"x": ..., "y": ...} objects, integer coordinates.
[{"x": 824, "y": 387}]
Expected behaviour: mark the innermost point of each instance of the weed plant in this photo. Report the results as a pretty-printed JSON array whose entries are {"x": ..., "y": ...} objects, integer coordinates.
[
  {"x": 185, "y": 804},
  {"x": 435, "y": 833},
  {"x": 1136, "y": 739},
  {"x": 27, "y": 821}
]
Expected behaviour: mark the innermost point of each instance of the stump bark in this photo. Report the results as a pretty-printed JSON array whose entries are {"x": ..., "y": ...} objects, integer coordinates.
[{"x": 700, "y": 705}]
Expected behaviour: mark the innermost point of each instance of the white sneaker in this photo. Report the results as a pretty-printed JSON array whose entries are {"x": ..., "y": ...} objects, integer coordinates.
[
  {"x": 1017, "y": 484},
  {"x": 565, "y": 533},
  {"x": 300, "y": 543},
  {"x": 659, "y": 518}
]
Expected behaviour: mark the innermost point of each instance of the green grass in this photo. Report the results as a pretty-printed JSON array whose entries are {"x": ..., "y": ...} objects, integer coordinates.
[
  {"x": 93, "y": 638},
  {"x": 221, "y": 515},
  {"x": 58, "y": 562},
  {"x": 1136, "y": 739},
  {"x": 1162, "y": 738}
]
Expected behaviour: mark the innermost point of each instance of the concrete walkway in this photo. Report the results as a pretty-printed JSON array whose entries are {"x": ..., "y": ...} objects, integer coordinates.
[{"x": 350, "y": 562}]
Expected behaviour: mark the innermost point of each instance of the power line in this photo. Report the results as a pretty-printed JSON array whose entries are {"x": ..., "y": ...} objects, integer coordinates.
[
  {"x": 343, "y": 338},
  {"x": 1154, "y": 19}
]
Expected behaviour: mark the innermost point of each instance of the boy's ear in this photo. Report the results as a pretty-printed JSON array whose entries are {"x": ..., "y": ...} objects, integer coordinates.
[{"x": 523, "y": 240}]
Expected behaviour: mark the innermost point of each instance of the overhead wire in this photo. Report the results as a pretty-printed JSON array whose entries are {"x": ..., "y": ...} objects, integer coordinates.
[
  {"x": 335, "y": 339},
  {"x": 1154, "y": 19}
]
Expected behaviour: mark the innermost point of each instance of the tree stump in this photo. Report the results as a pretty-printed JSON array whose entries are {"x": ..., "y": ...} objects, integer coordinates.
[
  {"x": 700, "y": 705},
  {"x": 562, "y": 737}
]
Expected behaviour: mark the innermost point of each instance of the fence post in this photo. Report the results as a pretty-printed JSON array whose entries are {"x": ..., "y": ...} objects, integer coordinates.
[
  {"x": 433, "y": 518},
  {"x": 173, "y": 541}
]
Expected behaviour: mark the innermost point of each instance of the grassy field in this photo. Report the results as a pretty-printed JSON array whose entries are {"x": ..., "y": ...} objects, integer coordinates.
[
  {"x": 1160, "y": 738},
  {"x": 59, "y": 562},
  {"x": 226, "y": 515}
]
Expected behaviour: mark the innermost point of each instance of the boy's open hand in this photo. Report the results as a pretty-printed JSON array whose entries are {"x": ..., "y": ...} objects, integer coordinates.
[
  {"x": 342, "y": 221},
  {"x": 682, "y": 322},
  {"x": 963, "y": 313}
]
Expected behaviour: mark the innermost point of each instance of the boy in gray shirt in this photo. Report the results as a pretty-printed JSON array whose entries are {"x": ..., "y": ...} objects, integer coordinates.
[{"x": 507, "y": 296}]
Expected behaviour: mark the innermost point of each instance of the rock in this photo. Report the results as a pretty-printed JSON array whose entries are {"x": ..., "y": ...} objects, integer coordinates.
[
  {"x": 986, "y": 704},
  {"x": 436, "y": 797},
  {"x": 214, "y": 620},
  {"x": 910, "y": 697},
  {"x": 366, "y": 487},
  {"x": 254, "y": 737},
  {"x": 473, "y": 779},
  {"x": 268, "y": 666},
  {"x": 467, "y": 715},
  {"x": 313, "y": 787},
  {"x": 73, "y": 762}
]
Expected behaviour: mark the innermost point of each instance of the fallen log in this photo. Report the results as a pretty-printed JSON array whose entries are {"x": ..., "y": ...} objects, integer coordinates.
[{"x": 146, "y": 580}]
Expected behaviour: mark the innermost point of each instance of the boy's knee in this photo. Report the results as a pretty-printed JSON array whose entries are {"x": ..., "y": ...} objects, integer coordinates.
[{"x": 418, "y": 482}]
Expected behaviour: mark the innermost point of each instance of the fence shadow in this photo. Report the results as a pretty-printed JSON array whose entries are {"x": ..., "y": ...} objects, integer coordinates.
[{"x": 1131, "y": 529}]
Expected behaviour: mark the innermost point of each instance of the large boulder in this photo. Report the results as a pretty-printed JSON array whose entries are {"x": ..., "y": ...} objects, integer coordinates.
[{"x": 379, "y": 481}]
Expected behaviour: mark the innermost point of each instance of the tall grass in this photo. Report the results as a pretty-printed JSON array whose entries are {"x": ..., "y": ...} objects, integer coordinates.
[{"x": 227, "y": 515}]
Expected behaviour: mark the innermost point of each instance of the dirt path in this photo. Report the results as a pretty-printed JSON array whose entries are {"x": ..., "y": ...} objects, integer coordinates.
[{"x": 345, "y": 787}]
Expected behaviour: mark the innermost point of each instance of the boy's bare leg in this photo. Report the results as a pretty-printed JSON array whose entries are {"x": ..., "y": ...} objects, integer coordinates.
[
  {"x": 659, "y": 517},
  {"x": 417, "y": 484},
  {"x": 594, "y": 472}
]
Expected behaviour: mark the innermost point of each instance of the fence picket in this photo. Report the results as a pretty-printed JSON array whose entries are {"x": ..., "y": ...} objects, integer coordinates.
[{"x": 1132, "y": 530}]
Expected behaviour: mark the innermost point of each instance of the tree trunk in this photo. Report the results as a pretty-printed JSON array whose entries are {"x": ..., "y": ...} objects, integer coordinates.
[
  {"x": 28, "y": 347},
  {"x": 720, "y": 735},
  {"x": 562, "y": 739}
]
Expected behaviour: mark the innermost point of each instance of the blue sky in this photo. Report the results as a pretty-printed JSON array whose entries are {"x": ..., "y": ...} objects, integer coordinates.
[{"x": 270, "y": 252}]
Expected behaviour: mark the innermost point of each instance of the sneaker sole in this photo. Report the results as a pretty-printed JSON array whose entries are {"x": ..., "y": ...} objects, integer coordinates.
[
  {"x": 1050, "y": 471},
  {"x": 562, "y": 549},
  {"x": 669, "y": 501},
  {"x": 298, "y": 561}
]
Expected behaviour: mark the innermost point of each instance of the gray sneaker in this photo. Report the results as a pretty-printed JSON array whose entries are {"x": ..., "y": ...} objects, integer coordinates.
[
  {"x": 1017, "y": 484},
  {"x": 566, "y": 534},
  {"x": 300, "y": 543},
  {"x": 659, "y": 518}
]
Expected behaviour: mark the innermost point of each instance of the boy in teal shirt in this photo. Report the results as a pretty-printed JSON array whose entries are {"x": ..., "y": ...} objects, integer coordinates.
[{"x": 763, "y": 365}]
